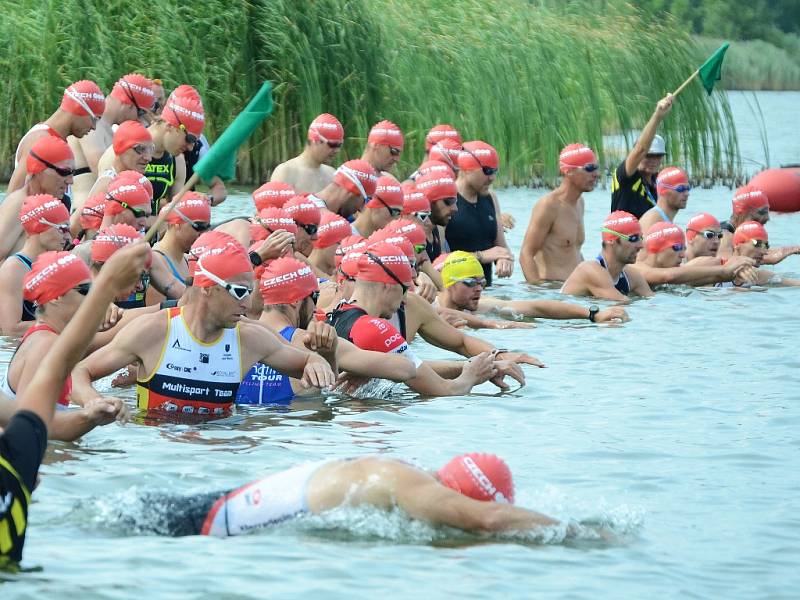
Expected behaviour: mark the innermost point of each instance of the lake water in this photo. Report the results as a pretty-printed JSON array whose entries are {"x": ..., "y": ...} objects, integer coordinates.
[{"x": 678, "y": 430}]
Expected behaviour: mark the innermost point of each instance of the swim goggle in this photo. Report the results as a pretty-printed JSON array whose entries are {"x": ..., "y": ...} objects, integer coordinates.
[
  {"x": 633, "y": 238},
  {"x": 472, "y": 281},
  {"x": 82, "y": 104},
  {"x": 386, "y": 270},
  {"x": 422, "y": 215},
  {"x": 190, "y": 137},
  {"x": 240, "y": 292},
  {"x": 761, "y": 244},
  {"x": 331, "y": 145},
  {"x": 707, "y": 233},
  {"x": 62, "y": 171},
  {"x": 488, "y": 171},
  {"x": 678, "y": 188},
  {"x": 61, "y": 227},
  {"x": 199, "y": 226},
  {"x": 393, "y": 212},
  {"x": 347, "y": 172},
  {"x": 138, "y": 213}
]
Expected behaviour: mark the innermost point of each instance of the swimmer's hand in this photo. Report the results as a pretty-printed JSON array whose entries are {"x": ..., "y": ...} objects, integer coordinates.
[
  {"x": 507, "y": 368},
  {"x": 426, "y": 289},
  {"x": 105, "y": 410},
  {"x": 504, "y": 267},
  {"x": 317, "y": 373},
  {"x": 276, "y": 245},
  {"x": 611, "y": 313},
  {"x": 478, "y": 369},
  {"x": 126, "y": 267},
  {"x": 508, "y": 221},
  {"x": 494, "y": 254},
  {"x": 347, "y": 383},
  {"x": 113, "y": 315},
  {"x": 521, "y": 357},
  {"x": 321, "y": 338},
  {"x": 737, "y": 264},
  {"x": 453, "y": 317}
]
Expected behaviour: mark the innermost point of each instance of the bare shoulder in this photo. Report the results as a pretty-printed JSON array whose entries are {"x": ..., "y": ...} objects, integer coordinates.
[{"x": 12, "y": 203}]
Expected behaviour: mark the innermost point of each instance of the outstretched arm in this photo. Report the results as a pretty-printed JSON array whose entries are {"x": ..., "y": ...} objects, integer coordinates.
[{"x": 776, "y": 255}]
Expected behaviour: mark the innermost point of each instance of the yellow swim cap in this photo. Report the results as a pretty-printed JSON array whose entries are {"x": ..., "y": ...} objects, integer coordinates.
[{"x": 460, "y": 265}]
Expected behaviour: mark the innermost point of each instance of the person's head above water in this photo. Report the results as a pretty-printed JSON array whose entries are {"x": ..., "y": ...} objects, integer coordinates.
[
  {"x": 751, "y": 239},
  {"x": 579, "y": 165},
  {"x": 667, "y": 243},
  {"x": 750, "y": 204},
  {"x": 622, "y": 236},
  {"x": 464, "y": 279},
  {"x": 479, "y": 476},
  {"x": 673, "y": 187},
  {"x": 703, "y": 234}
]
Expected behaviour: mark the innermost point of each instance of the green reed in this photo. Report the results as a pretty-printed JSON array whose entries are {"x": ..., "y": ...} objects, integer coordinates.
[{"x": 526, "y": 77}]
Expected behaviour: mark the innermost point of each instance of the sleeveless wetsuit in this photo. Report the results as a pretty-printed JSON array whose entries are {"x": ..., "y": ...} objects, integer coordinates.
[
  {"x": 265, "y": 385},
  {"x": 191, "y": 376},
  {"x": 434, "y": 247},
  {"x": 621, "y": 284},
  {"x": 253, "y": 506},
  {"x": 473, "y": 228},
  {"x": 5, "y": 385},
  {"x": 28, "y": 308},
  {"x": 161, "y": 173},
  {"x": 37, "y": 127},
  {"x": 201, "y": 146},
  {"x": 344, "y": 316},
  {"x": 135, "y": 300}
]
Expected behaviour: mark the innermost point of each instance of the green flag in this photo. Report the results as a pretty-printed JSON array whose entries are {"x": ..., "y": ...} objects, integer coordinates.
[
  {"x": 711, "y": 70},
  {"x": 220, "y": 160}
]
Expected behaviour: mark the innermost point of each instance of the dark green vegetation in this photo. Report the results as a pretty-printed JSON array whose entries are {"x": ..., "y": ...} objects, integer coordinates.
[{"x": 525, "y": 76}]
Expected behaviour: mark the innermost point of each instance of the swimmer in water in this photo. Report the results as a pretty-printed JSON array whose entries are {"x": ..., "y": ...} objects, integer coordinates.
[
  {"x": 463, "y": 294},
  {"x": 23, "y": 443},
  {"x": 472, "y": 492},
  {"x": 311, "y": 171},
  {"x": 751, "y": 241},
  {"x": 384, "y": 146}
]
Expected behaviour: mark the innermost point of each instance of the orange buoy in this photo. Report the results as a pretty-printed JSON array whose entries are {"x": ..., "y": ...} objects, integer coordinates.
[{"x": 782, "y": 187}]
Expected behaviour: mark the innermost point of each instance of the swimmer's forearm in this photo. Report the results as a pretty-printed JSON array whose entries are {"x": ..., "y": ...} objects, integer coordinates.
[
  {"x": 776, "y": 255},
  {"x": 549, "y": 309},
  {"x": 449, "y": 369},
  {"x": 68, "y": 426}
]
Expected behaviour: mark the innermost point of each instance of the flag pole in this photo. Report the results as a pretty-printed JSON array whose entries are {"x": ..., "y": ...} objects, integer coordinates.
[
  {"x": 193, "y": 180},
  {"x": 685, "y": 83}
]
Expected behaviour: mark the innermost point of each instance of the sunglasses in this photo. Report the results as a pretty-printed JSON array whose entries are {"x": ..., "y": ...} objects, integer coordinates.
[
  {"x": 473, "y": 281},
  {"x": 354, "y": 178},
  {"x": 190, "y": 137},
  {"x": 678, "y": 247},
  {"x": 708, "y": 234},
  {"x": 760, "y": 211},
  {"x": 421, "y": 215},
  {"x": 449, "y": 201},
  {"x": 200, "y": 226},
  {"x": 141, "y": 149},
  {"x": 240, "y": 292},
  {"x": 590, "y": 168},
  {"x": 138, "y": 213},
  {"x": 331, "y": 145},
  {"x": 83, "y": 288},
  {"x": 678, "y": 188},
  {"x": 394, "y": 151},
  {"x": 346, "y": 276},
  {"x": 64, "y": 172},
  {"x": 488, "y": 171},
  {"x": 61, "y": 227},
  {"x": 386, "y": 270},
  {"x": 633, "y": 239},
  {"x": 310, "y": 229},
  {"x": 393, "y": 212},
  {"x": 761, "y": 244},
  {"x": 419, "y": 248}
]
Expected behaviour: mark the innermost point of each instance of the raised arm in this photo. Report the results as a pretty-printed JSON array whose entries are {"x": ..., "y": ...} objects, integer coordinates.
[{"x": 642, "y": 145}]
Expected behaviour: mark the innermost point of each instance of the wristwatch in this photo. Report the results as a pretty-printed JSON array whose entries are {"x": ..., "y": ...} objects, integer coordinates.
[
  {"x": 593, "y": 310},
  {"x": 255, "y": 259}
]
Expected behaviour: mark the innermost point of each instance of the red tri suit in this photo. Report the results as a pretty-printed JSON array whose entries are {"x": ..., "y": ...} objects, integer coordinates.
[{"x": 193, "y": 377}]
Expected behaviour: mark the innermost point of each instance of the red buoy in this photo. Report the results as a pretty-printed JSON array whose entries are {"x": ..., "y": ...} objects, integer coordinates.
[{"x": 782, "y": 187}]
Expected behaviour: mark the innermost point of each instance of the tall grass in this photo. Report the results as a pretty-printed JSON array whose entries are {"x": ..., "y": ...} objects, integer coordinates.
[
  {"x": 526, "y": 77},
  {"x": 757, "y": 64}
]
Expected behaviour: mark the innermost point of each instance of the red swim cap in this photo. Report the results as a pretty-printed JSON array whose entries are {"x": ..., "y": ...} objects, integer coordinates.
[
  {"x": 112, "y": 238},
  {"x": 387, "y": 189},
  {"x": 92, "y": 211},
  {"x": 135, "y": 90},
  {"x": 303, "y": 210},
  {"x": 286, "y": 280},
  {"x": 745, "y": 199},
  {"x": 187, "y": 91},
  {"x": 386, "y": 133},
  {"x": 52, "y": 275},
  {"x": 352, "y": 243},
  {"x": 84, "y": 98},
  {"x": 273, "y": 193},
  {"x": 436, "y": 167},
  {"x": 479, "y": 476},
  {"x": 193, "y": 206},
  {"x": 357, "y": 177},
  {"x": 476, "y": 155},
  {"x": 439, "y": 133},
  {"x": 620, "y": 222},
  {"x": 662, "y": 236},
  {"x": 185, "y": 112},
  {"x": 446, "y": 151},
  {"x": 348, "y": 264},
  {"x": 749, "y": 230},
  {"x": 437, "y": 187},
  {"x": 52, "y": 149},
  {"x": 270, "y": 220},
  {"x": 576, "y": 156},
  {"x": 377, "y": 335},
  {"x": 395, "y": 239},
  {"x": 326, "y": 128},
  {"x": 127, "y": 188},
  {"x": 138, "y": 178},
  {"x": 700, "y": 222},
  {"x": 413, "y": 199},
  {"x": 129, "y": 134},
  {"x": 670, "y": 177},
  {"x": 391, "y": 259},
  {"x": 225, "y": 261},
  {"x": 439, "y": 261},
  {"x": 205, "y": 242},
  {"x": 39, "y": 208},
  {"x": 332, "y": 230},
  {"x": 409, "y": 229}
]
